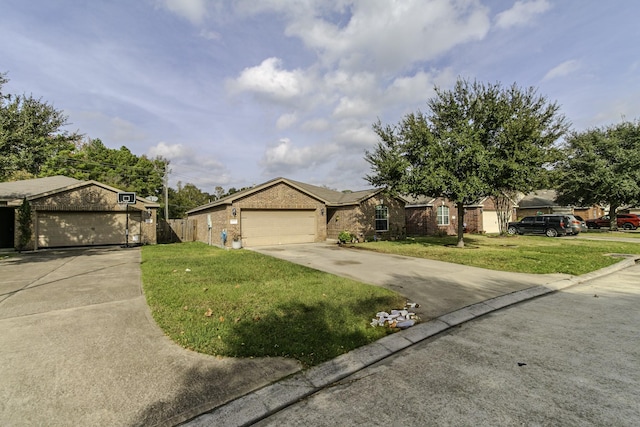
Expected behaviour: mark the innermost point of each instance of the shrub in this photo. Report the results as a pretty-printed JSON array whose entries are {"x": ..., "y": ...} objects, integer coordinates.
[{"x": 344, "y": 237}]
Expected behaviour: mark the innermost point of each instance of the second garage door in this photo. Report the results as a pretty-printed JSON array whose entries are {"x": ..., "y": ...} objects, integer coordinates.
[
  {"x": 277, "y": 227},
  {"x": 58, "y": 229}
]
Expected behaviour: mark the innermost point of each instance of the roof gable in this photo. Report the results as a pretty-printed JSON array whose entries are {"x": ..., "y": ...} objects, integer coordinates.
[
  {"x": 325, "y": 195},
  {"x": 37, "y": 188},
  {"x": 539, "y": 198},
  {"x": 29, "y": 187}
]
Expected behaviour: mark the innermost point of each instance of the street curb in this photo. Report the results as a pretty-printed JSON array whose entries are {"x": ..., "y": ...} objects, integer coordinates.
[{"x": 270, "y": 399}]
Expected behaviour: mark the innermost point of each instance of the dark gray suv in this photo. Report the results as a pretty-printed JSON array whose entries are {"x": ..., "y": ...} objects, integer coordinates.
[{"x": 549, "y": 225}]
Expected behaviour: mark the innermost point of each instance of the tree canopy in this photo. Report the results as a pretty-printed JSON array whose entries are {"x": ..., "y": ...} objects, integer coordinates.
[
  {"x": 31, "y": 132},
  {"x": 601, "y": 166},
  {"x": 476, "y": 140},
  {"x": 185, "y": 198},
  {"x": 120, "y": 168}
]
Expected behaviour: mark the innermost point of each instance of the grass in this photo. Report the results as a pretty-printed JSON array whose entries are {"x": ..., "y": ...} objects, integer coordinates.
[
  {"x": 522, "y": 254},
  {"x": 244, "y": 304},
  {"x": 607, "y": 233}
]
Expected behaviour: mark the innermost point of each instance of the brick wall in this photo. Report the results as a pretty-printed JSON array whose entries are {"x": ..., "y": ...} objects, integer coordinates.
[
  {"x": 278, "y": 196},
  {"x": 359, "y": 220},
  {"x": 94, "y": 198},
  {"x": 423, "y": 221}
]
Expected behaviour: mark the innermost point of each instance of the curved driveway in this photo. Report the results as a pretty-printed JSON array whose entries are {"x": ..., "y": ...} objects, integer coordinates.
[
  {"x": 439, "y": 287},
  {"x": 78, "y": 347}
]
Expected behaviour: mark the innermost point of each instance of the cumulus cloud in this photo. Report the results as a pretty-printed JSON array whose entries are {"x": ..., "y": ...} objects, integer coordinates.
[
  {"x": 285, "y": 158},
  {"x": 184, "y": 160},
  {"x": 562, "y": 70},
  {"x": 179, "y": 154},
  {"x": 285, "y": 121},
  {"x": 270, "y": 81},
  {"x": 386, "y": 36},
  {"x": 521, "y": 13}
]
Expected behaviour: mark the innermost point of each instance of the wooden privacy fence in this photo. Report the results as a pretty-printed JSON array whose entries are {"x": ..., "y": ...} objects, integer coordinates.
[{"x": 177, "y": 230}]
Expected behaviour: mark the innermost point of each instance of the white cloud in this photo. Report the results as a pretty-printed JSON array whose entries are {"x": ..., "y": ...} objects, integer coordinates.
[
  {"x": 521, "y": 13},
  {"x": 193, "y": 10},
  {"x": 379, "y": 35},
  {"x": 285, "y": 121},
  {"x": 188, "y": 165},
  {"x": 284, "y": 158},
  {"x": 352, "y": 107},
  {"x": 383, "y": 35},
  {"x": 562, "y": 70},
  {"x": 174, "y": 151},
  {"x": 269, "y": 80}
]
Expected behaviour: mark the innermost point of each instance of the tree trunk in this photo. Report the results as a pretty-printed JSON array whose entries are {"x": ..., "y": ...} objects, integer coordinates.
[
  {"x": 504, "y": 205},
  {"x": 613, "y": 218},
  {"x": 460, "y": 225}
]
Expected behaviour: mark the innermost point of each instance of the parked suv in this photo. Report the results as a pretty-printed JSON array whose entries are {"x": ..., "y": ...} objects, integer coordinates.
[
  {"x": 550, "y": 225},
  {"x": 575, "y": 224},
  {"x": 626, "y": 221}
]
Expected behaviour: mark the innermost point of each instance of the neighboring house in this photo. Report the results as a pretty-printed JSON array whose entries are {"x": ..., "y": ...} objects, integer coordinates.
[
  {"x": 283, "y": 211},
  {"x": 436, "y": 215},
  {"x": 69, "y": 212},
  {"x": 544, "y": 202}
]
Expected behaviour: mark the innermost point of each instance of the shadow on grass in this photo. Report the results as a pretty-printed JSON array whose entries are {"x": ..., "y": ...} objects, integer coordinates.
[
  {"x": 306, "y": 332},
  {"x": 310, "y": 333}
]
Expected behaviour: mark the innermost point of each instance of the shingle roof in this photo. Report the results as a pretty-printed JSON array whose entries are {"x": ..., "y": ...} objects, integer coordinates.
[
  {"x": 16, "y": 190},
  {"x": 326, "y": 195},
  {"x": 539, "y": 198},
  {"x": 28, "y": 187}
]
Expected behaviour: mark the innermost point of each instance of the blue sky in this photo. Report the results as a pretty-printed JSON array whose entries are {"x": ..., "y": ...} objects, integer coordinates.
[{"x": 235, "y": 93}]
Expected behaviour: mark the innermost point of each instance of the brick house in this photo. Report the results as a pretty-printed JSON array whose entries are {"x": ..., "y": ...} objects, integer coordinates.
[
  {"x": 283, "y": 211},
  {"x": 67, "y": 212},
  {"x": 544, "y": 202},
  {"x": 436, "y": 215}
]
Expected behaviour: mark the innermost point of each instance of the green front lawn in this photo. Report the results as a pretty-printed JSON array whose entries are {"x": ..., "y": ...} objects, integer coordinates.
[
  {"x": 522, "y": 254},
  {"x": 243, "y": 304}
]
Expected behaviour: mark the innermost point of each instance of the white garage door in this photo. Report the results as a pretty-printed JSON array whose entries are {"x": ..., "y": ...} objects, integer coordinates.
[
  {"x": 490, "y": 222},
  {"x": 58, "y": 229},
  {"x": 277, "y": 227}
]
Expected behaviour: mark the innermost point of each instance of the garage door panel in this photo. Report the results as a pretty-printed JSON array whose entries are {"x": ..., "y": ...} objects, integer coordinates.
[
  {"x": 275, "y": 227},
  {"x": 490, "y": 222},
  {"x": 59, "y": 229}
]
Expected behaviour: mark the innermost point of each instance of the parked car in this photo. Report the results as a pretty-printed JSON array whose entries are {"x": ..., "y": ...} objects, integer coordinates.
[
  {"x": 583, "y": 223},
  {"x": 574, "y": 224},
  {"x": 626, "y": 221},
  {"x": 549, "y": 225}
]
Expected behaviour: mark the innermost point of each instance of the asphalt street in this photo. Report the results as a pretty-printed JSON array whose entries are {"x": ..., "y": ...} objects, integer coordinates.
[{"x": 571, "y": 358}]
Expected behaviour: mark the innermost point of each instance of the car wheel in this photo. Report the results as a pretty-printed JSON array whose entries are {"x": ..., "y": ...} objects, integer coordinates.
[
  {"x": 551, "y": 232},
  {"x": 512, "y": 230},
  {"x": 628, "y": 226}
]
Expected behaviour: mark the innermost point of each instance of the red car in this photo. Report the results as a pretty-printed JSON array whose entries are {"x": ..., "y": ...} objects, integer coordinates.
[{"x": 626, "y": 221}]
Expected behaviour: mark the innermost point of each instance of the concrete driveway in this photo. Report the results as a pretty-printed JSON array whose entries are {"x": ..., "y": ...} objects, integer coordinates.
[
  {"x": 439, "y": 287},
  {"x": 78, "y": 346}
]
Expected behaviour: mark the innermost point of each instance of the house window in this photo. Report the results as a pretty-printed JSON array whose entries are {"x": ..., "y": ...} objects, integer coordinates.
[
  {"x": 382, "y": 218},
  {"x": 443, "y": 215}
]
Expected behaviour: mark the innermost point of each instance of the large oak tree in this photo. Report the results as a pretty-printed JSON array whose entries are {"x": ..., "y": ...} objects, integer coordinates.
[
  {"x": 601, "y": 166},
  {"x": 476, "y": 140},
  {"x": 31, "y": 132}
]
